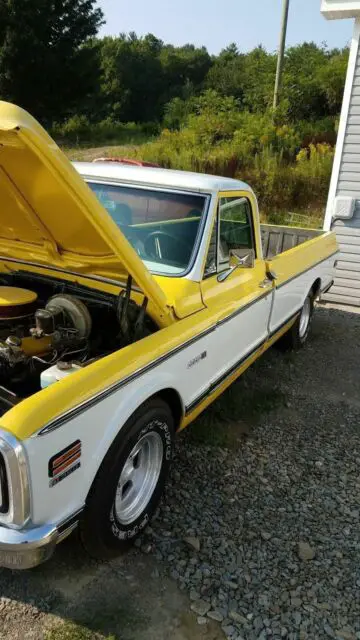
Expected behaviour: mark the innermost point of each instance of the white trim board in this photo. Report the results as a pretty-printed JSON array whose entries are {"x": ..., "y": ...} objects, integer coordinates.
[{"x": 337, "y": 9}]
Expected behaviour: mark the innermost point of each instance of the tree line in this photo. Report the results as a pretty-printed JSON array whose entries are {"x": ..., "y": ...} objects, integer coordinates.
[{"x": 53, "y": 64}]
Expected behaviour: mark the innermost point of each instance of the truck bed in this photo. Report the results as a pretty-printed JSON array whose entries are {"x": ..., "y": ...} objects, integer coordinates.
[{"x": 276, "y": 239}]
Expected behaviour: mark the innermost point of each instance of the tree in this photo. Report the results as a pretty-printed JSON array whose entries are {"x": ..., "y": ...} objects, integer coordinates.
[
  {"x": 185, "y": 69},
  {"x": 258, "y": 80},
  {"x": 248, "y": 77},
  {"x": 331, "y": 80},
  {"x": 44, "y": 65},
  {"x": 131, "y": 77},
  {"x": 226, "y": 76},
  {"x": 140, "y": 75},
  {"x": 314, "y": 80}
]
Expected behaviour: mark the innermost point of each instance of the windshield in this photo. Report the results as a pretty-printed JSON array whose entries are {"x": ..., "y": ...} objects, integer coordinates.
[{"x": 161, "y": 226}]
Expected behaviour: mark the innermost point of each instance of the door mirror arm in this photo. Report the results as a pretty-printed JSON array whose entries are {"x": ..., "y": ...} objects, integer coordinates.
[{"x": 244, "y": 261}]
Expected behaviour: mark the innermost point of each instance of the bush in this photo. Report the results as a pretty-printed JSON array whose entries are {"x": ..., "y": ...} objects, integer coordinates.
[
  {"x": 260, "y": 153},
  {"x": 79, "y": 130},
  {"x": 284, "y": 186}
]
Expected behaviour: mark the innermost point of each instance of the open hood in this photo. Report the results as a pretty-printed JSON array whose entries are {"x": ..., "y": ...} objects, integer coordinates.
[{"x": 49, "y": 216}]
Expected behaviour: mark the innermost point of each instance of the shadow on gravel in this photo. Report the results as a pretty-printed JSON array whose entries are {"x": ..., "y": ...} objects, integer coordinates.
[
  {"x": 72, "y": 597},
  {"x": 271, "y": 464}
]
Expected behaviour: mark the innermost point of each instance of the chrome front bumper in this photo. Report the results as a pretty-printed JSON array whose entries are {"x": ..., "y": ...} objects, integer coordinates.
[{"x": 27, "y": 548}]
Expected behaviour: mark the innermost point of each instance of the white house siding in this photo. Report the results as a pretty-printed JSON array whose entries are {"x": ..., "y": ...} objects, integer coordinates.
[{"x": 346, "y": 182}]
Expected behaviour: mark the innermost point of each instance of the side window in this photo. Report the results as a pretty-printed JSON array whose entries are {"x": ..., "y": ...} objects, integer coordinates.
[{"x": 235, "y": 229}]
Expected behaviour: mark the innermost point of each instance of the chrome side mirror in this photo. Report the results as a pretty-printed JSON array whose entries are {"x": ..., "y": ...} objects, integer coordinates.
[{"x": 247, "y": 261}]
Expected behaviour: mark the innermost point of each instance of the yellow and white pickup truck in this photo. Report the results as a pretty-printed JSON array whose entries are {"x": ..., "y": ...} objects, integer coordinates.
[{"x": 130, "y": 298}]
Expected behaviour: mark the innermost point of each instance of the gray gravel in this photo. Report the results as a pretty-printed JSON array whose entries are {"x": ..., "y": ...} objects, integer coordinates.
[{"x": 264, "y": 536}]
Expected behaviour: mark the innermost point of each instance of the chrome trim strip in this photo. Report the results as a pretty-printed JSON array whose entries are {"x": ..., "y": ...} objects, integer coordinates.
[
  {"x": 144, "y": 186},
  {"x": 18, "y": 480},
  {"x": 326, "y": 289},
  {"x": 292, "y": 317},
  {"x": 244, "y": 308},
  {"x": 87, "y": 404},
  {"x": 66, "y": 527},
  {"x": 306, "y": 270},
  {"x": 101, "y": 395},
  {"x": 219, "y": 381}
]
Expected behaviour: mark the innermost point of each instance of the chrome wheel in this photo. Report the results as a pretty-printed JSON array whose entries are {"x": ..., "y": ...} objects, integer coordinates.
[
  {"x": 305, "y": 318},
  {"x": 139, "y": 477}
]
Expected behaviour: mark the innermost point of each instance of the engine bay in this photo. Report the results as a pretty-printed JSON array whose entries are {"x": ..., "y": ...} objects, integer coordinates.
[{"x": 49, "y": 328}]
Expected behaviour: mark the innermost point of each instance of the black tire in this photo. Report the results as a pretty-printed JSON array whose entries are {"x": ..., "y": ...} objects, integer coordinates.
[
  {"x": 101, "y": 532},
  {"x": 296, "y": 337}
]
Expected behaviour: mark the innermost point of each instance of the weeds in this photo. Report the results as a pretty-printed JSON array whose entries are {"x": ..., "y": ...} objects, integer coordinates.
[
  {"x": 79, "y": 131},
  {"x": 221, "y": 140}
]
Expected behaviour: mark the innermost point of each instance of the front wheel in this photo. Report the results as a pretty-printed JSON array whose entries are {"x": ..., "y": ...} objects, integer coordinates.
[
  {"x": 130, "y": 481},
  {"x": 296, "y": 337}
]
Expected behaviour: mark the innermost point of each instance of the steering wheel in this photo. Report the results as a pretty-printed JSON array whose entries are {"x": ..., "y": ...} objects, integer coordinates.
[
  {"x": 131, "y": 235},
  {"x": 152, "y": 244}
]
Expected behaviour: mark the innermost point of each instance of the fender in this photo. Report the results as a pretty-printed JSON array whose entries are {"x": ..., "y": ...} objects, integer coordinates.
[{"x": 96, "y": 435}]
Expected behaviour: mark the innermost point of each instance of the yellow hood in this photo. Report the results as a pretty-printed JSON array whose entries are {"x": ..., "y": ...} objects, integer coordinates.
[{"x": 50, "y": 216}]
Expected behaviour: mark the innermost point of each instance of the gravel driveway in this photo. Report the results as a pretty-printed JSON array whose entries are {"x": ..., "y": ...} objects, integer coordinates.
[{"x": 258, "y": 536}]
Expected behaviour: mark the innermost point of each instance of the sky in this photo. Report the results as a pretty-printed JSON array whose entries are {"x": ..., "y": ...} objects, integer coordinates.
[{"x": 217, "y": 23}]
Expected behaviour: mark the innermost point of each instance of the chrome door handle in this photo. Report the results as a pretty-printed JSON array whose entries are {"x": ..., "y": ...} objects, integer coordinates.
[{"x": 265, "y": 283}]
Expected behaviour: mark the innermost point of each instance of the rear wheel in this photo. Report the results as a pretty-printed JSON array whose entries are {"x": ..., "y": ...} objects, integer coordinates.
[
  {"x": 130, "y": 481},
  {"x": 297, "y": 335}
]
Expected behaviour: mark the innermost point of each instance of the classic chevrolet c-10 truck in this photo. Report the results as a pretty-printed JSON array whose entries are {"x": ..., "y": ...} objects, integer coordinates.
[{"x": 130, "y": 298}]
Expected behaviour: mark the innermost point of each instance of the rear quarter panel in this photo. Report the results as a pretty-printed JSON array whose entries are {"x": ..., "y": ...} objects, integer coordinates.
[{"x": 297, "y": 270}]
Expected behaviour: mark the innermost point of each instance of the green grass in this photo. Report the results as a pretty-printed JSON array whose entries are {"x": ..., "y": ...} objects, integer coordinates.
[
  {"x": 72, "y": 631},
  {"x": 88, "y": 153},
  {"x": 234, "y": 414}
]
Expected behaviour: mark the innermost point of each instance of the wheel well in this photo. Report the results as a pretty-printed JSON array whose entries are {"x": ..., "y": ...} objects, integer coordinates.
[
  {"x": 316, "y": 287},
  {"x": 172, "y": 398}
]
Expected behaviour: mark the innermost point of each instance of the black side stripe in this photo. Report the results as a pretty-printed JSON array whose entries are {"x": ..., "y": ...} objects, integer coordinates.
[
  {"x": 306, "y": 270},
  {"x": 241, "y": 309},
  {"x": 229, "y": 372},
  {"x": 326, "y": 289},
  {"x": 87, "y": 404},
  {"x": 283, "y": 324},
  {"x": 101, "y": 395},
  {"x": 72, "y": 520},
  {"x": 219, "y": 381}
]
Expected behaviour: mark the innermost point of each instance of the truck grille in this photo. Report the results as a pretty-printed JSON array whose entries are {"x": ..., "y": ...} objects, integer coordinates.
[{"x": 4, "y": 487}]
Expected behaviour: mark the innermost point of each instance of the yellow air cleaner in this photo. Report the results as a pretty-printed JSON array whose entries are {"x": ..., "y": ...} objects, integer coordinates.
[{"x": 16, "y": 303}]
